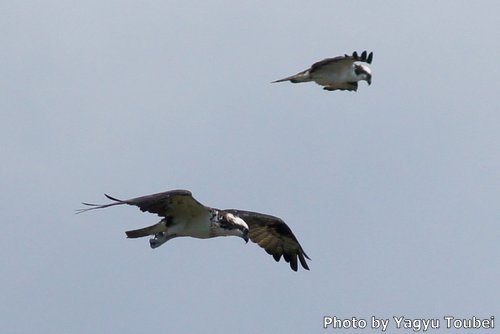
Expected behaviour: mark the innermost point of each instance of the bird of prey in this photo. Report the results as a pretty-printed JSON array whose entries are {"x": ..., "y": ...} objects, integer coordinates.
[
  {"x": 184, "y": 216},
  {"x": 339, "y": 73}
]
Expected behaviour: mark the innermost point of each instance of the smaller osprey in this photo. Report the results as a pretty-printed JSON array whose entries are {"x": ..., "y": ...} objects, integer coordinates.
[
  {"x": 183, "y": 216},
  {"x": 342, "y": 73}
]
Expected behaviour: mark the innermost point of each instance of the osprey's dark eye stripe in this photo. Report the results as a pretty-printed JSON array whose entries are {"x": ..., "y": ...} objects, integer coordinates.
[{"x": 223, "y": 222}]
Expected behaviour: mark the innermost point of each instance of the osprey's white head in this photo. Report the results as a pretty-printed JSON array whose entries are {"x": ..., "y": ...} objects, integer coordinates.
[
  {"x": 363, "y": 72},
  {"x": 228, "y": 224}
]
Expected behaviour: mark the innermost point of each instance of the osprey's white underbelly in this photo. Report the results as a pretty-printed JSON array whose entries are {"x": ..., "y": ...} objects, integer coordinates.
[
  {"x": 196, "y": 227},
  {"x": 326, "y": 79}
]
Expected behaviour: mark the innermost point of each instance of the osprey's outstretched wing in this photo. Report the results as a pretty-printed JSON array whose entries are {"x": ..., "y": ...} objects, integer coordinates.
[
  {"x": 163, "y": 204},
  {"x": 274, "y": 235},
  {"x": 341, "y": 62}
]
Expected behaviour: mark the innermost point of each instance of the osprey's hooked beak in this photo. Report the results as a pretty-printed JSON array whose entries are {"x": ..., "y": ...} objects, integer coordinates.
[
  {"x": 245, "y": 235},
  {"x": 369, "y": 80}
]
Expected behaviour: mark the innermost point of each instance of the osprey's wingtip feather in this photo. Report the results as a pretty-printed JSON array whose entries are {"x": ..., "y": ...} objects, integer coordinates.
[
  {"x": 92, "y": 207},
  {"x": 303, "y": 261},
  {"x": 112, "y": 198},
  {"x": 100, "y": 206}
]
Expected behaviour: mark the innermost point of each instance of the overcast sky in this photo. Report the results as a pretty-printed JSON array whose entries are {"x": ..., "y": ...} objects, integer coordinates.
[{"x": 393, "y": 191}]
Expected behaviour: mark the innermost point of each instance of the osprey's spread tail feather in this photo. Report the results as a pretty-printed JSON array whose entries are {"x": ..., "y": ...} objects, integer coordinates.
[
  {"x": 299, "y": 77},
  {"x": 143, "y": 232},
  {"x": 282, "y": 80}
]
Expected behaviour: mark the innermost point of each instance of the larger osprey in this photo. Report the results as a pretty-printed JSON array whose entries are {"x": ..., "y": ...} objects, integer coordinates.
[
  {"x": 183, "y": 216},
  {"x": 342, "y": 73}
]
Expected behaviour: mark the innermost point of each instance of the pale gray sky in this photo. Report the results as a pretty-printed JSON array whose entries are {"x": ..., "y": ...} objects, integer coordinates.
[{"x": 393, "y": 191}]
